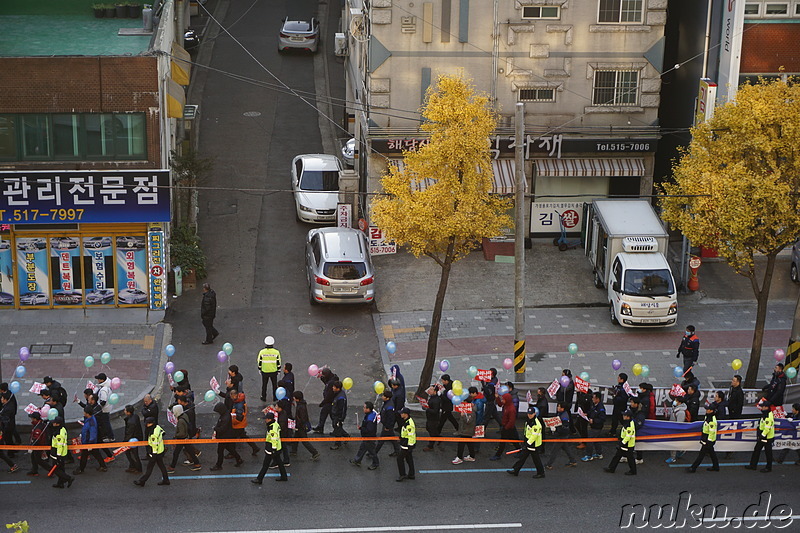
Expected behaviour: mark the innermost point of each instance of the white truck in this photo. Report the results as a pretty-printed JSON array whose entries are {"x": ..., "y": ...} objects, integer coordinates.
[{"x": 626, "y": 243}]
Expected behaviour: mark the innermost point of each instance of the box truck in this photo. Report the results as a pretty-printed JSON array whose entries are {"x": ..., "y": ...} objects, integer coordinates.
[{"x": 626, "y": 244}]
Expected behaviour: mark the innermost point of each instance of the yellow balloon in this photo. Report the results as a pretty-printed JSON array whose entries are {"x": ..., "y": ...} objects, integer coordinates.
[
  {"x": 458, "y": 387},
  {"x": 637, "y": 369},
  {"x": 347, "y": 383},
  {"x": 736, "y": 364},
  {"x": 378, "y": 386}
]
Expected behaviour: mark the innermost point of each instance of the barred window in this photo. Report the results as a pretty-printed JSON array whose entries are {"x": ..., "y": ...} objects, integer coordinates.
[
  {"x": 625, "y": 11},
  {"x": 541, "y": 12},
  {"x": 537, "y": 95},
  {"x": 615, "y": 87}
]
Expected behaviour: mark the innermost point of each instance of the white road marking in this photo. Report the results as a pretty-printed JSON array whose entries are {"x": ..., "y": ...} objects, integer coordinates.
[{"x": 388, "y": 528}]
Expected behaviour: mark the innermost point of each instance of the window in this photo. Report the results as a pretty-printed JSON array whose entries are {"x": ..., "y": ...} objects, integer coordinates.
[
  {"x": 66, "y": 129},
  {"x": 776, "y": 9},
  {"x": 615, "y": 87},
  {"x": 752, "y": 9},
  {"x": 35, "y": 137},
  {"x": 797, "y": 9},
  {"x": 541, "y": 12},
  {"x": 8, "y": 136},
  {"x": 537, "y": 95},
  {"x": 620, "y": 11}
]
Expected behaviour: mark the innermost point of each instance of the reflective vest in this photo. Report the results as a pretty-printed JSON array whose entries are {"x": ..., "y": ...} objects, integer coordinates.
[
  {"x": 274, "y": 436},
  {"x": 59, "y": 442},
  {"x": 533, "y": 433},
  {"x": 767, "y": 426},
  {"x": 269, "y": 359},
  {"x": 409, "y": 432},
  {"x": 629, "y": 435},
  {"x": 156, "y": 440},
  {"x": 710, "y": 429},
  {"x": 239, "y": 424}
]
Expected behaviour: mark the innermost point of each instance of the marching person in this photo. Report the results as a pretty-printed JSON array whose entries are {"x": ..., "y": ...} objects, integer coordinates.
[
  {"x": 780, "y": 457},
  {"x": 338, "y": 414},
  {"x": 620, "y": 402},
  {"x": 776, "y": 389},
  {"x": 89, "y": 436},
  {"x": 238, "y": 406},
  {"x": 58, "y": 452},
  {"x": 562, "y": 434},
  {"x": 182, "y": 434},
  {"x": 388, "y": 416},
  {"x": 408, "y": 439},
  {"x": 625, "y": 445},
  {"x": 105, "y": 433},
  {"x": 735, "y": 397},
  {"x": 208, "y": 312},
  {"x": 224, "y": 430},
  {"x": 432, "y": 413},
  {"x": 269, "y": 361},
  {"x": 707, "y": 440},
  {"x": 272, "y": 450},
  {"x": 328, "y": 378},
  {"x": 466, "y": 430},
  {"x": 133, "y": 432},
  {"x": 155, "y": 452},
  {"x": 533, "y": 443},
  {"x": 689, "y": 348},
  {"x": 149, "y": 408},
  {"x": 508, "y": 427},
  {"x": 369, "y": 428},
  {"x": 38, "y": 438},
  {"x": 597, "y": 418},
  {"x": 766, "y": 434},
  {"x": 302, "y": 423}
]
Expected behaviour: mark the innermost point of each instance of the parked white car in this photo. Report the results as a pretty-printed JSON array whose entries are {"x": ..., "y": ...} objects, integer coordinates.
[{"x": 315, "y": 182}]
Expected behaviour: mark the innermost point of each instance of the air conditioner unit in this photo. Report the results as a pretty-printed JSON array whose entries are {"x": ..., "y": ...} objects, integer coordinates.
[
  {"x": 639, "y": 244},
  {"x": 340, "y": 44}
]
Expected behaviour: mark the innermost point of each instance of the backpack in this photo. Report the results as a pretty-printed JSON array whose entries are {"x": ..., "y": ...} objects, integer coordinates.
[{"x": 688, "y": 416}]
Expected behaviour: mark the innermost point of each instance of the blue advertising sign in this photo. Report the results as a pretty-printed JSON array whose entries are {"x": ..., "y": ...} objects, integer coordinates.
[{"x": 43, "y": 197}]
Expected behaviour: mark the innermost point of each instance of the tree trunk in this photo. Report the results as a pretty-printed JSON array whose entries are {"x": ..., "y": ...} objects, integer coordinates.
[
  {"x": 436, "y": 319},
  {"x": 762, "y": 297}
]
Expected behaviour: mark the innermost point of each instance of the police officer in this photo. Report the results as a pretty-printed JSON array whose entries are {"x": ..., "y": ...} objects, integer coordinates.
[
  {"x": 272, "y": 450},
  {"x": 269, "y": 361},
  {"x": 155, "y": 452},
  {"x": 408, "y": 439},
  {"x": 689, "y": 348},
  {"x": 58, "y": 453},
  {"x": 533, "y": 441},
  {"x": 625, "y": 446},
  {"x": 708, "y": 439},
  {"x": 766, "y": 434}
]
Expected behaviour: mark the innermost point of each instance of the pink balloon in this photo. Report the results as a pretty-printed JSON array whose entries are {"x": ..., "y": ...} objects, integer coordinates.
[
  {"x": 313, "y": 370},
  {"x": 44, "y": 410},
  {"x": 508, "y": 363},
  {"x": 779, "y": 355},
  {"x": 116, "y": 383}
]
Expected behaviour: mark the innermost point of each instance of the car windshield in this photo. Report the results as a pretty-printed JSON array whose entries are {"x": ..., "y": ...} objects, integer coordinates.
[
  {"x": 345, "y": 271},
  {"x": 648, "y": 283},
  {"x": 320, "y": 180},
  {"x": 296, "y": 25}
]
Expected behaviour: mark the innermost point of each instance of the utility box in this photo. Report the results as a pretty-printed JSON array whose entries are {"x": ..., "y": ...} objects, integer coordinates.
[{"x": 340, "y": 44}]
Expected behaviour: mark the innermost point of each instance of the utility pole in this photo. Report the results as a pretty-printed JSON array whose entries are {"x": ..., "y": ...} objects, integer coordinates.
[{"x": 519, "y": 245}]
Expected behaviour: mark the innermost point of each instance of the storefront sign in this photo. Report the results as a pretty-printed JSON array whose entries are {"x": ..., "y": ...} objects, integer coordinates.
[
  {"x": 377, "y": 243},
  {"x": 544, "y": 216},
  {"x": 46, "y": 197},
  {"x": 33, "y": 280},
  {"x": 6, "y": 284},
  {"x": 132, "y": 273},
  {"x": 158, "y": 265},
  {"x": 343, "y": 215}
]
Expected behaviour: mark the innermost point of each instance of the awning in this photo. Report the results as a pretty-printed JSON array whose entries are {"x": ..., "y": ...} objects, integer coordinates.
[
  {"x": 633, "y": 167},
  {"x": 180, "y": 64},
  {"x": 176, "y": 99},
  {"x": 502, "y": 176}
]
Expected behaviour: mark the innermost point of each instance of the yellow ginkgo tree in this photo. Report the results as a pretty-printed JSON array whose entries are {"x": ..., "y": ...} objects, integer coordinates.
[
  {"x": 736, "y": 187},
  {"x": 449, "y": 217}
]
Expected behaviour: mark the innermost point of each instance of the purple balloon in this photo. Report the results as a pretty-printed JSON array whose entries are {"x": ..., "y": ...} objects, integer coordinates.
[
  {"x": 450, "y": 394},
  {"x": 615, "y": 364},
  {"x": 444, "y": 364},
  {"x": 169, "y": 368},
  {"x": 565, "y": 381},
  {"x": 222, "y": 356},
  {"x": 23, "y": 356}
]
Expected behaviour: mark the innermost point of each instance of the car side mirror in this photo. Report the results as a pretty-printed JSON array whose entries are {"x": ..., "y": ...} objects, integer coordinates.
[{"x": 615, "y": 286}]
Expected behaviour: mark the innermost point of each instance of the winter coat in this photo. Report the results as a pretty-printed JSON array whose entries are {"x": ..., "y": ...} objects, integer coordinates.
[
  {"x": 150, "y": 411},
  {"x": 223, "y": 428},
  {"x": 597, "y": 415},
  {"x": 776, "y": 388},
  {"x": 369, "y": 425},
  {"x": 208, "y": 307},
  {"x": 479, "y": 407},
  {"x": 509, "y": 417},
  {"x": 735, "y": 402},
  {"x": 388, "y": 414},
  {"x": 301, "y": 416},
  {"x": 133, "y": 428},
  {"x": 89, "y": 431},
  {"x": 339, "y": 408},
  {"x": 466, "y": 423}
]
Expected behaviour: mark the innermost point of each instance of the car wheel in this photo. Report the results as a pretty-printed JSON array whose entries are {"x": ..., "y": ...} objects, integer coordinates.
[
  {"x": 613, "y": 314},
  {"x": 793, "y": 273}
]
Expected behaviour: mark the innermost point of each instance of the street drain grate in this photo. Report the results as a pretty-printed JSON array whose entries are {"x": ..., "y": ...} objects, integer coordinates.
[
  {"x": 310, "y": 329},
  {"x": 51, "y": 348},
  {"x": 343, "y": 331}
]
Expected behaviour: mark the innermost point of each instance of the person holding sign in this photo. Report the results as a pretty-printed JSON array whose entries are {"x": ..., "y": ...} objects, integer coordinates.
[
  {"x": 562, "y": 432},
  {"x": 766, "y": 434},
  {"x": 708, "y": 440},
  {"x": 466, "y": 429},
  {"x": 597, "y": 418},
  {"x": 625, "y": 446},
  {"x": 533, "y": 442},
  {"x": 408, "y": 439}
]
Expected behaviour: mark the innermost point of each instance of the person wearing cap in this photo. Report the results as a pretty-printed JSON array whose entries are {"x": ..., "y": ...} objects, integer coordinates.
[
  {"x": 105, "y": 431},
  {"x": 89, "y": 436},
  {"x": 766, "y": 434},
  {"x": 56, "y": 389},
  {"x": 59, "y": 449},
  {"x": 533, "y": 443},
  {"x": 208, "y": 311},
  {"x": 707, "y": 440},
  {"x": 408, "y": 440},
  {"x": 272, "y": 450},
  {"x": 269, "y": 361},
  {"x": 155, "y": 452},
  {"x": 625, "y": 445},
  {"x": 38, "y": 438}
]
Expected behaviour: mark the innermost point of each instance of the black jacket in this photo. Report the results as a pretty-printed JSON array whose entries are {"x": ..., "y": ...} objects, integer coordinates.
[
  {"x": 150, "y": 411},
  {"x": 735, "y": 402},
  {"x": 543, "y": 406},
  {"x": 208, "y": 307},
  {"x": 388, "y": 414},
  {"x": 339, "y": 408},
  {"x": 398, "y": 398},
  {"x": 58, "y": 392},
  {"x": 328, "y": 378},
  {"x": 223, "y": 427},
  {"x": 301, "y": 420},
  {"x": 133, "y": 428},
  {"x": 776, "y": 388},
  {"x": 597, "y": 414}
]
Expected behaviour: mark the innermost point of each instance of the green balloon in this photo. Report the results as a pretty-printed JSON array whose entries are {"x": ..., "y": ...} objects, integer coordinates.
[
  {"x": 113, "y": 398},
  {"x": 791, "y": 372},
  {"x": 178, "y": 376},
  {"x": 209, "y": 396},
  {"x": 105, "y": 358},
  {"x": 52, "y": 414},
  {"x": 472, "y": 371},
  {"x": 88, "y": 361}
]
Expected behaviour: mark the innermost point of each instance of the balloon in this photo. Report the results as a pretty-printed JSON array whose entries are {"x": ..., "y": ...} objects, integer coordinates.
[
  {"x": 736, "y": 364},
  {"x": 52, "y": 414},
  {"x": 391, "y": 347},
  {"x": 565, "y": 381},
  {"x": 178, "y": 376},
  {"x": 503, "y": 390},
  {"x": 472, "y": 371},
  {"x": 209, "y": 395},
  {"x": 585, "y": 376},
  {"x": 88, "y": 361},
  {"x": 444, "y": 364},
  {"x": 779, "y": 355},
  {"x": 113, "y": 398},
  {"x": 791, "y": 372},
  {"x": 169, "y": 368},
  {"x": 347, "y": 383},
  {"x": 573, "y": 348},
  {"x": 20, "y": 371},
  {"x": 227, "y": 348},
  {"x": 115, "y": 383},
  {"x": 508, "y": 363},
  {"x": 313, "y": 370},
  {"x": 677, "y": 371},
  {"x": 222, "y": 356},
  {"x": 105, "y": 358},
  {"x": 458, "y": 387},
  {"x": 450, "y": 395},
  {"x": 169, "y": 350},
  {"x": 456, "y": 399},
  {"x": 637, "y": 369},
  {"x": 280, "y": 393},
  {"x": 465, "y": 396},
  {"x": 14, "y": 386},
  {"x": 378, "y": 387},
  {"x": 134, "y": 440},
  {"x": 44, "y": 410},
  {"x": 24, "y": 353},
  {"x": 645, "y": 371},
  {"x": 615, "y": 364}
]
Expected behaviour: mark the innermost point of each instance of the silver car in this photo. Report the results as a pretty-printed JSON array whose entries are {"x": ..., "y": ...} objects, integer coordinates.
[
  {"x": 338, "y": 266},
  {"x": 299, "y": 34},
  {"x": 315, "y": 182}
]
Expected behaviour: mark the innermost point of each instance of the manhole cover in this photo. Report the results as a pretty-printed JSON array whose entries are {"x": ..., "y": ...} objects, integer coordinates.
[
  {"x": 310, "y": 329},
  {"x": 252, "y": 114},
  {"x": 343, "y": 331}
]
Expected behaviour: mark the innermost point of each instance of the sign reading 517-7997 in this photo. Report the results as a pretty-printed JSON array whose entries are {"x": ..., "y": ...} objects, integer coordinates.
[{"x": 42, "y": 197}]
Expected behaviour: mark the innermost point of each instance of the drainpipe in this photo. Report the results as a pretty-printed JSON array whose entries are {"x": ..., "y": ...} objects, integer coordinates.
[{"x": 495, "y": 53}]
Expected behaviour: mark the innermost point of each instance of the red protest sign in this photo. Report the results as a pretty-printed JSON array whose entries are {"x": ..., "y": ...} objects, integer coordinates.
[
  {"x": 480, "y": 432},
  {"x": 553, "y": 388},
  {"x": 677, "y": 390},
  {"x": 484, "y": 375},
  {"x": 778, "y": 411},
  {"x": 552, "y": 422},
  {"x": 582, "y": 414},
  {"x": 581, "y": 385},
  {"x": 464, "y": 407},
  {"x": 423, "y": 402}
]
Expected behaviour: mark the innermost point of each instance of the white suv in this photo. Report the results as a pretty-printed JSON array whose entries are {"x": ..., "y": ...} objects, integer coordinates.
[
  {"x": 338, "y": 266},
  {"x": 315, "y": 182}
]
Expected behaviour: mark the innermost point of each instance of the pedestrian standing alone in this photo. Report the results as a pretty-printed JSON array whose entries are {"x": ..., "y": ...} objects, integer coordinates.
[
  {"x": 533, "y": 443},
  {"x": 508, "y": 428},
  {"x": 388, "y": 421},
  {"x": 272, "y": 450},
  {"x": 735, "y": 398},
  {"x": 766, "y": 434},
  {"x": 224, "y": 430},
  {"x": 302, "y": 425},
  {"x": 155, "y": 452},
  {"x": 708, "y": 440},
  {"x": 59, "y": 449},
  {"x": 562, "y": 434},
  {"x": 597, "y": 418},
  {"x": 408, "y": 440},
  {"x": 208, "y": 312},
  {"x": 626, "y": 444},
  {"x": 269, "y": 361},
  {"x": 338, "y": 414},
  {"x": 133, "y": 431},
  {"x": 689, "y": 348},
  {"x": 369, "y": 428}
]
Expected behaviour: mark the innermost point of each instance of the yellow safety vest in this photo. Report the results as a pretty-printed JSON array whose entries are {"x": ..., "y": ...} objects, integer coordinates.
[
  {"x": 274, "y": 436},
  {"x": 59, "y": 442},
  {"x": 629, "y": 435},
  {"x": 269, "y": 359},
  {"x": 533, "y": 433},
  {"x": 767, "y": 426},
  {"x": 710, "y": 429},
  {"x": 156, "y": 440},
  {"x": 409, "y": 432}
]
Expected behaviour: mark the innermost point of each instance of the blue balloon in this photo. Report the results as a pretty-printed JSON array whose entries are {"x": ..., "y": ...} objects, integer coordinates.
[
  {"x": 677, "y": 371},
  {"x": 456, "y": 399},
  {"x": 14, "y": 387},
  {"x": 503, "y": 390},
  {"x": 280, "y": 393},
  {"x": 20, "y": 372},
  {"x": 169, "y": 350},
  {"x": 465, "y": 396},
  {"x": 391, "y": 347}
]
